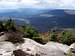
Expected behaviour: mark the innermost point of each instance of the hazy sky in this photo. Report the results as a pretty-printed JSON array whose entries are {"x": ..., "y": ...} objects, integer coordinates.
[{"x": 39, "y": 4}]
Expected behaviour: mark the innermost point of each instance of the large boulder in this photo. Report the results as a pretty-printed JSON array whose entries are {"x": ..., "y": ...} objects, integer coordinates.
[
  {"x": 6, "y": 48},
  {"x": 32, "y": 48},
  {"x": 53, "y": 49},
  {"x": 49, "y": 49},
  {"x": 57, "y": 46}
]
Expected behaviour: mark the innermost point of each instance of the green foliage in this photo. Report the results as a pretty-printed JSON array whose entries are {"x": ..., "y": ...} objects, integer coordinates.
[
  {"x": 29, "y": 32},
  {"x": 66, "y": 38},
  {"x": 53, "y": 36},
  {"x": 1, "y": 26},
  {"x": 8, "y": 25}
]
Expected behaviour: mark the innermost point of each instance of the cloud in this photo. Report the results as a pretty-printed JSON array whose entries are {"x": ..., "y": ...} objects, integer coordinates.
[
  {"x": 10, "y": 4},
  {"x": 39, "y": 4}
]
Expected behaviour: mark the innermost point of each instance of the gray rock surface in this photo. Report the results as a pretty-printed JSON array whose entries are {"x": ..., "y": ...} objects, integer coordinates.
[
  {"x": 50, "y": 49},
  {"x": 33, "y": 48},
  {"x": 6, "y": 48}
]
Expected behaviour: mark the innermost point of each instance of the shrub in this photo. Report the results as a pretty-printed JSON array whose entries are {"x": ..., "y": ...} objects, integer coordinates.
[
  {"x": 64, "y": 37},
  {"x": 53, "y": 36},
  {"x": 32, "y": 33},
  {"x": 29, "y": 32},
  {"x": 8, "y": 25},
  {"x": 14, "y": 37},
  {"x": 67, "y": 38},
  {"x": 1, "y": 26}
]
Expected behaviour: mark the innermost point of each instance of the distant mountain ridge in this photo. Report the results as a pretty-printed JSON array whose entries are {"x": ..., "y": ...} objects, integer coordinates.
[
  {"x": 43, "y": 20},
  {"x": 60, "y": 19}
]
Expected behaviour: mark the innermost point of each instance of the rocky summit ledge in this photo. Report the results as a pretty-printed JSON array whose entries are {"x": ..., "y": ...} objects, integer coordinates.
[{"x": 32, "y": 48}]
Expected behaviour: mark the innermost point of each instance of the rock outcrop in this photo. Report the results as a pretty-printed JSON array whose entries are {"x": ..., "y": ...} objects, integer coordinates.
[
  {"x": 32, "y": 48},
  {"x": 49, "y": 49},
  {"x": 6, "y": 48}
]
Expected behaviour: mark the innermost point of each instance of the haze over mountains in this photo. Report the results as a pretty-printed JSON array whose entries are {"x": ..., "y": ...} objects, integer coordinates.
[
  {"x": 54, "y": 18},
  {"x": 43, "y": 20}
]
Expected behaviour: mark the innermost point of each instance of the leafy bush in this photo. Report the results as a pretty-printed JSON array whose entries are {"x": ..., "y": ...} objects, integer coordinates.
[
  {"x": 29, "y": 32},
  {"x": 67, "y": 38},
  {"x": 1, "y": 26},
  {"x": 8, "y": 25},
  {"x": 32, "y": 33},
  {"x": 53, "y": 36}
]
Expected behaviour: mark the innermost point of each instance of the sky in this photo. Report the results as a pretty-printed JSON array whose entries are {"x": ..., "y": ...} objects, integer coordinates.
[
  {"x": 39, "y": 4},
  {"x": 10, "y": 5}
]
